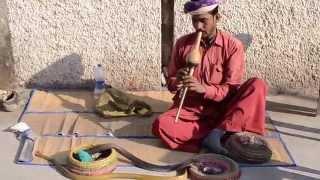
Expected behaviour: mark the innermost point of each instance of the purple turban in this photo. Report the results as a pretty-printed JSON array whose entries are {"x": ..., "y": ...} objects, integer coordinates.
[{"x": 194, "y": 7}]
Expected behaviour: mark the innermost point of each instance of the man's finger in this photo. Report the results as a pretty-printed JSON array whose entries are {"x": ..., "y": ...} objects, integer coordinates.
[
  {"x": 192, "y": 88},
  {"x": 189, "y": 80},
  {"x": 184, "y": 73},
  {"x": 179, "y": 86}
]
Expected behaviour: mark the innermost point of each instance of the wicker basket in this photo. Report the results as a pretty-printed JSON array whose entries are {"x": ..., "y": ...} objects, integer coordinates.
[
  {"x": 215, "y": 167},
  {"x": 99, "y": 167}
]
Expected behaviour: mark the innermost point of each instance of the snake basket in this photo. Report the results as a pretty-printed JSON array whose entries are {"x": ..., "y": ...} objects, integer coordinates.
[
  {"x": 248, "y": 148},
  {"x": 214, "y": 167},
  {"x": 105, "y": 165}
]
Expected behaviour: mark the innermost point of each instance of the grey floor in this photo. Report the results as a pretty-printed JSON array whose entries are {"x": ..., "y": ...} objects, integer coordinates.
[{"x": 300, "y": 132}]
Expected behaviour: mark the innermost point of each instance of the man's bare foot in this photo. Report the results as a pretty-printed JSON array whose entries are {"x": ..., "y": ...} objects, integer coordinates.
[{"x": 213, "y": 142}]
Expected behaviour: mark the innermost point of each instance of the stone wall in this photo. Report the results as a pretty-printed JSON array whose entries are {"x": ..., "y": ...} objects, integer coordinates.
[{"x": 57, "y": 43}]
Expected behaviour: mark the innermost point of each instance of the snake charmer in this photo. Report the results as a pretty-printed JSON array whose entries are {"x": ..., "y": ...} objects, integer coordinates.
[{"x": 218, "y": 103}]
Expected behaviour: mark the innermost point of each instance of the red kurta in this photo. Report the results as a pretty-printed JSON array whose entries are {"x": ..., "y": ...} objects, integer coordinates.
[{"x": 225, "y": 104}]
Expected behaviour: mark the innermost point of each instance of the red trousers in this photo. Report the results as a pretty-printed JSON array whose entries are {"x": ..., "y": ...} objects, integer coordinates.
[{"x": 243, "y": 110}]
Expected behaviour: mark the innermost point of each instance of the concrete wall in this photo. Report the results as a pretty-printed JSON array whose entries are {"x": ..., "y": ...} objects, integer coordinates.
[
  {"x": 57, "y": 43},
  {"x": 282, "y": 36},
  {"x": 6, "y": 61}
]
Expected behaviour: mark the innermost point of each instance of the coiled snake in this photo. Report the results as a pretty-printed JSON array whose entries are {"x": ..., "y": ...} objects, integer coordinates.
[{"x": 200, "y": 167}]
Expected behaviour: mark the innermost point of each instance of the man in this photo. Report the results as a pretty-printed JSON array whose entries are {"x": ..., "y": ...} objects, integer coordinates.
[{"x": 217, "y": 104}]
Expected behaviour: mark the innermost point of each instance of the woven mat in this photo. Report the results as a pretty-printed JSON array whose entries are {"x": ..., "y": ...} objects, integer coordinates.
[
  {"x": 65, "y": 119},
  {"x": 148, "y": 149}
]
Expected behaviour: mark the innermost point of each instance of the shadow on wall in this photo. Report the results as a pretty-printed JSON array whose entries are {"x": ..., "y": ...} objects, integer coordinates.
[
  {"x": 6, "y": 59},
  {"x": 6, "y": 63},
  {"x": 65, "y": 73},
  {"x": 245, "y": 38}
]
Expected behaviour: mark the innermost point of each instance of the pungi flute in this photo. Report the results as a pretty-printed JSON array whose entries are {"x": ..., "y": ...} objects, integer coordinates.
[{"x": 192, "y": 59}]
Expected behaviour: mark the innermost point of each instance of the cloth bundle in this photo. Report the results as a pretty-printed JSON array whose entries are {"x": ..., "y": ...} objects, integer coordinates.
[{"x": 116, "y": 103}]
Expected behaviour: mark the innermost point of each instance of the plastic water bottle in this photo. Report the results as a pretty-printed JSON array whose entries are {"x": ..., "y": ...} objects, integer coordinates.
[{"x": 99, "y": 76}]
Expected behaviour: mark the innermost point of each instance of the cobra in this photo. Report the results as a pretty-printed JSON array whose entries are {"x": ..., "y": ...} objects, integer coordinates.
[{"x": 198, "y": 167}]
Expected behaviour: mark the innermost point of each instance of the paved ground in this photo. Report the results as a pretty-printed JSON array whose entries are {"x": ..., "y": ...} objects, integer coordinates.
[{"x": 300, "y": 132}]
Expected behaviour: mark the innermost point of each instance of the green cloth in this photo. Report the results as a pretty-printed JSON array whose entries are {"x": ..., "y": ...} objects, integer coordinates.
[
  {"x": 116, "y": 103},
  {"x": 84, "y": 156}
]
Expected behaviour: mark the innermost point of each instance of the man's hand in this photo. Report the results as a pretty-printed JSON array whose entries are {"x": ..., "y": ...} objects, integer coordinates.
[
  {"x": 181, "y": 73},
  {"x": 193, "y": 84}
]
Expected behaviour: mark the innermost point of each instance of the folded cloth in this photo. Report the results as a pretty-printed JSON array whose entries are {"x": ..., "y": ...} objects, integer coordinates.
[
  {"x": 116, "y": 103},
  {"x": 248, "y": 147}
]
